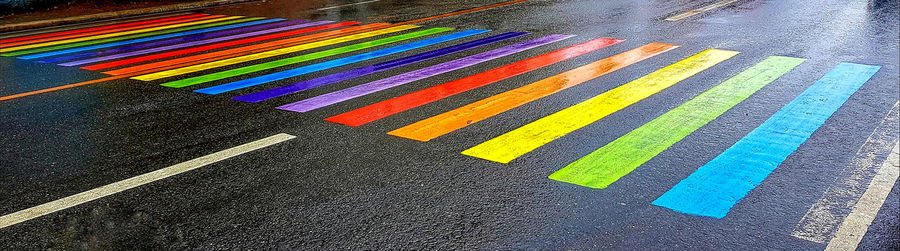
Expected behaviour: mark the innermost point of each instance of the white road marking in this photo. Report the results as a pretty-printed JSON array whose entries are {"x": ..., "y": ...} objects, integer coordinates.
[
  {"x": 857, "y": 223},
  {"x": 100, "y": 192},
  {"x": 700, "y": 10},
  {"x": 345, "y": 5},
  {"x": 823, "y": 218}
]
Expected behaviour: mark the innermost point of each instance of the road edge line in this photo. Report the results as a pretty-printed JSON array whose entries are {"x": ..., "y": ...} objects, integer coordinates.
[{"x": 110, "y": 189}]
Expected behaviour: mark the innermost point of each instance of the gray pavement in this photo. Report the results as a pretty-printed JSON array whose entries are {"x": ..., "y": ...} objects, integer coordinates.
[{"x": 336, "y": 186}]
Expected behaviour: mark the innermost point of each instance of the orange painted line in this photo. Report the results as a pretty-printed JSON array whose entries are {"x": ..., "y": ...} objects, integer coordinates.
[
  {"x": 198, "y": 18},
  {"x": 447, "y": 122},
  {"x": 24, "y": 94},
  {"x": 245, "y": 50},
  {"x": 60, "y": 33}
]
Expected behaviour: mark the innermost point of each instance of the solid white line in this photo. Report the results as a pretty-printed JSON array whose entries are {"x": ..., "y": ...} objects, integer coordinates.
[
  {"x": 700, "y": 10},
  {"x": 345, "y": 5},
  {"x": 824, "y": 217},
  {"x": 857, "y": 223},
  {"x": 100, "y": 192}
]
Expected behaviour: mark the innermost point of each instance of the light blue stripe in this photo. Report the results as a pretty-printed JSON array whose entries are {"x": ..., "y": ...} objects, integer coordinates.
[
  {"x": 720, "y": 184},
  {"x": 141, "y": 40},
  {"x": 334, "y": 63}
]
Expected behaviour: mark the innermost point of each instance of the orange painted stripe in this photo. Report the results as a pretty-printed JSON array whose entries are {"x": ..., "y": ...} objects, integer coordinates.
[
  {"x": 24, "y": 94},
  {"x": 60, "y": 33},
  {"x": 77, "y": 35},
  {"x": 441, "y": 124},
  {"x": 245, "y": 50}
]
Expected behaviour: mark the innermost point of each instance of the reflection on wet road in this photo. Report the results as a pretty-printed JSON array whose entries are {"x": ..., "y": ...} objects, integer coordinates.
[{"x": 658, "y": 123}]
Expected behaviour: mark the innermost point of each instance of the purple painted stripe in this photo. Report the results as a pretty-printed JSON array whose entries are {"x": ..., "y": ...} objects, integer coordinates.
[
  {"x": 195, "y": 43},
  {"x": 385, "y": 83},
  {"x": 362, "y": 71},
  {"x": 125, "y": 48}
]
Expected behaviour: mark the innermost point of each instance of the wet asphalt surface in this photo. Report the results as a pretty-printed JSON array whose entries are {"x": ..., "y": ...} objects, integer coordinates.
[{"x": 341, "y": 187}]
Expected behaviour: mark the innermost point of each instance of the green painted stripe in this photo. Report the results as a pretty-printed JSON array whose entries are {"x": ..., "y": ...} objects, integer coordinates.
[
  {"x": 604, "y": 166},
  {"x": 140, "y": 35},
  {"x": 301, "y": 58}
]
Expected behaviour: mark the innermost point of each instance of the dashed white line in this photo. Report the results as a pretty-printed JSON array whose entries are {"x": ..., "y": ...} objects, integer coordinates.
[
  {"x": 857, "y": 223},
  {"x": 345, "y": 5},
  {"x": 100, "y": 192},
  {"x": 823, "y": 218},
  {"x": 700, "y": 10}
]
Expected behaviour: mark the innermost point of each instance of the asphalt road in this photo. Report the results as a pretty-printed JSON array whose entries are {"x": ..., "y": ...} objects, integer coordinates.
[{"x": 336, "y": 186}]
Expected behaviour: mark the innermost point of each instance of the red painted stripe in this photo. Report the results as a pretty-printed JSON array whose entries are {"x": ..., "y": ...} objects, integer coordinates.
[
  {"x": 213, "y": 46},
  {"x": 9, "y": 40},
  {"x": 392, "y": 106}
]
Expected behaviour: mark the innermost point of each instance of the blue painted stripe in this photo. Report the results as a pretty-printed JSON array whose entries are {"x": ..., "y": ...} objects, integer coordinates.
[
  {"x": 334, "y": 63},
  {"x": 379, "y": 67},
  {"x": 720, "y": 184},
  {"x": 140, "y": 40}
]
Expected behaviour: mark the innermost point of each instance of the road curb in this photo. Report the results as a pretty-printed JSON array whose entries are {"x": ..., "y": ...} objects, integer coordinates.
[{"x": 120, "y": 14}]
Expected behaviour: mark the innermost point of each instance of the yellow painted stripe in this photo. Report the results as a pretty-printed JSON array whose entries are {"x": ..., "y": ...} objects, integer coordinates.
[
  {"x": 272, "y": 53},
  {"x": 115, "y": 34},
  {"x": 458, "y": 118},
  {"x": 513, "y": 144}
]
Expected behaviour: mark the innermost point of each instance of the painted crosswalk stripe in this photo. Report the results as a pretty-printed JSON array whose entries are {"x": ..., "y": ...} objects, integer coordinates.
[
  {"x": 455, "y": 119},
  {"x": 722, "y": 182},
  {"x": 857, "y": 223},
  {"x": 366, "y": 70},
  {"x": 143, "y": 179},
  {"x": 267, "y": 54},
  {"x": 77, "y": 37},
  {"x": 262, "y": 24},
  {"x": 228, "y": 53},
  {"x": 106, "y": 27},
  {"x": 189, "y": 44},
  {"x": 119, "y": 34},
  {"x": 303, "y": 58},
  {"x": 604, "y": 166},
  {"x": 511, "y": 145},
  {"x": 101, "y": 80},
  {"x": 131, "y": 39},
  {"x": 824, "y": 217},
  {"x": 346, "y": 5},
  {"x": 219, "y": 56},
  {"x": 409, "y": 77},
  {"x": 334, "y": 63},
  {"x": 307, "y": 57},
  {"x": 405, "y": 102},
  {"x": 700, "y": 10},
  {"x": 100, "y": 32}
]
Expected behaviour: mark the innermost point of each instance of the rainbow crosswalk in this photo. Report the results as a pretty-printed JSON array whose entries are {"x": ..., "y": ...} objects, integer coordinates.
[{"x": 226, "y": 55}]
